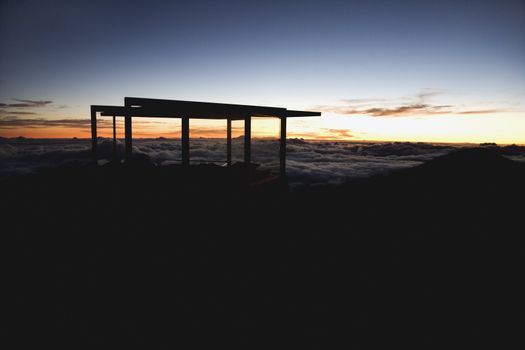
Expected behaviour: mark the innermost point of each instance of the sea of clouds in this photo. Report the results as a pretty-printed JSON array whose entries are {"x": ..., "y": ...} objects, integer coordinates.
[{"x": 308, "y": 162}]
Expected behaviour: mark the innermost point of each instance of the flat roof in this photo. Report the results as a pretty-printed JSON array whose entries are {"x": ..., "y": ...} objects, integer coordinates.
[{"x": 150, "y": 107}]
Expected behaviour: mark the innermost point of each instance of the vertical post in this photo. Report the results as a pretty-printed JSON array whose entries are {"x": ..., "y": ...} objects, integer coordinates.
[
  {"x": 93, "y": 134},
  {"x": 282, "y": 147},
  {"x": 114, "y": 138},
  {"x": 229, "y": 141},
  {"x": 185, "y": 139},
  {"x": 248, "y": 139},
  {"x": 127, "y": 133}
]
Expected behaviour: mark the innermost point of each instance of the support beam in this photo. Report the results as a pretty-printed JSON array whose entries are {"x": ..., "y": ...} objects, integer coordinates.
[
  {"x": 185, "y": 139},
  {"x": 229, "y": 142},
  {"x": 128, "y": 133},
  {"x": 248, "y": 140},
  {"x": 94, "y": 134},
  {"x": 282, "y": 148},
  {"x": 114, "y": 138}
]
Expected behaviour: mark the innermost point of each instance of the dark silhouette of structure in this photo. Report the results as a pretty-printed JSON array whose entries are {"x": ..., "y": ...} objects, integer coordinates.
[{"x": 186, "y": 110}]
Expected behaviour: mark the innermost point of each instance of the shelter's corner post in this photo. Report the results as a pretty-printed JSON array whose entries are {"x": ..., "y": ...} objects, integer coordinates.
[
  {"x": 128, "y": 133},
  {"x": 114, "y": 138},
  {"x": 248, "y": 139},
  {"x": 282, "y": 147},
  {"x": 229, "y": 141},
  {"x": 185, "y": 141},
  {"x": 93, "y": 134}
]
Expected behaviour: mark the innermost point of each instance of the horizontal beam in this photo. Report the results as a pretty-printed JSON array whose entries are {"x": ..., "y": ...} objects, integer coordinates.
[
  {"x": 291, "y": 114},
  {"x": 140, "y": 112},
  {"x": 205, "y": 109},
  {"x": 159, "y": 113},
  {"x": 153, "y": 108},
  {"x": 118, "y": 111}
]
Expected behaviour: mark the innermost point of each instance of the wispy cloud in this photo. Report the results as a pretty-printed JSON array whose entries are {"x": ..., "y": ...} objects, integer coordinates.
[
  {"x": 407, "y": 110},
  {"x": 428, "y": 93},
  {"x": 324, "y": 134},
  {"x": 340, "y": 133},
  {"x": 15, "y": 123},
  {"x": 421, "y": 106},
  {"x": 21, "y": 103},
  {"x": 398, "y": 111},
  {"x": 362, "y": 100},
  {"x": 5, "y": 112},
  {"x": 482, "y": 111}
]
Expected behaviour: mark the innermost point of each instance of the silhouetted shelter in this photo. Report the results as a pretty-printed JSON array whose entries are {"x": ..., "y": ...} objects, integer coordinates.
[{"x": 186, "y": 110}]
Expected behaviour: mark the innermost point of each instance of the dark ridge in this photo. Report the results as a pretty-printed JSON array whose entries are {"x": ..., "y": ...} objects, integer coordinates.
[
  {"x": 470, "y": 160},
  {"x": 134, "y": 255}
]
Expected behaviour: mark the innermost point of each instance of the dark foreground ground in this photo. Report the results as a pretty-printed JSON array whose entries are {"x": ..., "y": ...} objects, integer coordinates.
[{"x": 133, "y": 255}]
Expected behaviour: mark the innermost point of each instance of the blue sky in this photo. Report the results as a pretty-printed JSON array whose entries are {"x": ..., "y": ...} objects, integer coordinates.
[{"x": 328, "y": 55}]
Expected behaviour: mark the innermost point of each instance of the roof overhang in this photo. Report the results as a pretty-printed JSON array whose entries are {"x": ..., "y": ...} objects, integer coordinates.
[{"x": 148, "y": 107}]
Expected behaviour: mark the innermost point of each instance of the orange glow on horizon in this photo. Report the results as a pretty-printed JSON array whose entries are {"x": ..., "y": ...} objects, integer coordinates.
[
  {"x": 501, "y": 129},
  {"x": 69, "y": 133}
]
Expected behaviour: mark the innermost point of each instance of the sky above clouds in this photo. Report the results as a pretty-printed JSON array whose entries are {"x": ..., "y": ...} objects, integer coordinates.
[{"x": 436, "y": 71}]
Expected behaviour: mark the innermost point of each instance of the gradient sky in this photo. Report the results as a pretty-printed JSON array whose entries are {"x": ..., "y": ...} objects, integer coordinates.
[{"x": 438, "y": 71}]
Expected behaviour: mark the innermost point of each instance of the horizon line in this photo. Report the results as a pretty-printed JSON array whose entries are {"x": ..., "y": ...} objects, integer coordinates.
[{"x": 267, "y": 138}]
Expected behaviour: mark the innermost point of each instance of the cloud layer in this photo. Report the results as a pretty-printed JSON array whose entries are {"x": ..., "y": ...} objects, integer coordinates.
[{"x": 308, "y": 162}]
